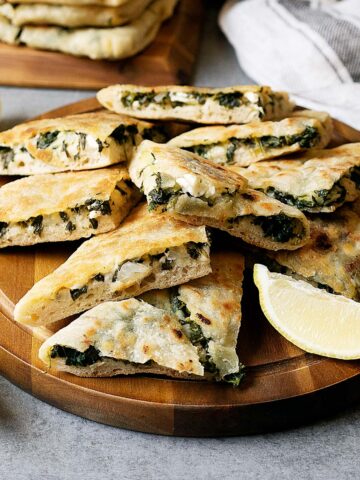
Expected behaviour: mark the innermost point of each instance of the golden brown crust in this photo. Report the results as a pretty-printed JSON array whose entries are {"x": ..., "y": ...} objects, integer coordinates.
[
  {"x": 214, "y": 303},
  {"x": 54, "y": 193},
  {"x": 76, "y": 142},
  {"x": 100, "y": 124},
  {"x": 141, "y": 234},
  {"x": 130, "y": 331},
  {"x": 260, "y": 103},
  {"x": 207, "y": 194},
  {"x": 219, "y": 140},
  {"x": 302, "y": 178},
  {"x": 331, "y": 258}
]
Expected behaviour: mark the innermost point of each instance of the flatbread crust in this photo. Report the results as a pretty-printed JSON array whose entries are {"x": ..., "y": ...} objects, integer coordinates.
[
  {"x": 118, "y": 265},
  {"x": 332, "y": 257},
  {"x": 242, "y": 145},
  {"x": 112, "y": 43},
  {"x": 237, "y": 104},
  {"x": 8, "y": 33},
  {"x": 214, "y": 304},
  {"x": 75, "y": 142},
  {"x": 64, "y": 206},
  {"x": 72, "y": 15},
  {"x": 304, "y": 183},
  {"x": 127, "y": 331},
  {"x": 194, "y": 190}
]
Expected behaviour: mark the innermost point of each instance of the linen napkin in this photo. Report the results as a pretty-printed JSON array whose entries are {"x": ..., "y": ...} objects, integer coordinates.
[{"x": 309, "y": 48}]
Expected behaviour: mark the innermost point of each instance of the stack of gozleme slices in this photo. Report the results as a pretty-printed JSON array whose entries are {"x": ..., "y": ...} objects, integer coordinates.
[
  {"x": 152, "y": 293},
  {"x": 98, "y": 29}
]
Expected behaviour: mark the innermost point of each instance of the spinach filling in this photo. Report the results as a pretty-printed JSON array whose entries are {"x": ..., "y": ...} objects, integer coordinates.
[
  {"x": 102, "y": 206},
  {"x": 44, "y": 140},
  {"x": 158, "y": 195},
  {"x": 165, "y": 262},
  {"x": 197, "y": 338},
  {"x": 123, "y": 133},
  {"x": 7, "y": 156},
  {"x": 319, "y": 198},
  {"x": 37, "y": 224},
  {"x": 100, "y": 145},
  {"x": 236, "y": 378},
  {"x": 70, "y": 227},
  {"x": 74, "y": 357},
  {"x": 279, "y": 228},
  {"x": 99, "y": 277},
  {"x": 3, "y": 228},
  {"x": 75, "y": 293},
  {"x": 230, "y": 100},
  {"x": 64, "y": 216},
  {"x": 93, "y": 223},
  {"x": 144, "y": 99},
  {"x": 195, "y": 249},
  {"x": 162, "y": 196},
  {"x": 162, "y": 99},
  {"x": 307, "y": 139}
]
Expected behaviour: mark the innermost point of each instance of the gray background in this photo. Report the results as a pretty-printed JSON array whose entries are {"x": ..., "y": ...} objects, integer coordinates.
[{"x": 39, "y": 442}]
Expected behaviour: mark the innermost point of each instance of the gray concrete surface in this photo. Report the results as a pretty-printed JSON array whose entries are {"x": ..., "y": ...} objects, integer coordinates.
[{"x": 39, "y": 442}]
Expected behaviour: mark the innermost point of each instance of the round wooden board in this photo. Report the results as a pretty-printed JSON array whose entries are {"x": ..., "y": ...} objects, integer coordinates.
[{"x": 284, "y": 386}]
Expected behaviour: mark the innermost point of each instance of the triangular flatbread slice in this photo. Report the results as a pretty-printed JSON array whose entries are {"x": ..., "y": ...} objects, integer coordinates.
[
  {"x": 319, "y": 184},
  {"x": 238, "y": 104},
  {"x": 189, "y": 331},
  {"x": 126, "y": 337},
  {"x": 209, "y": 310},
  {"x": 197, "y": 191},
  {"x": 331, "y": 259},
  {"x": 64, "y": 206},
  {"x": 242, "y": 145},
  {"x": 77, "y": 142},
  {"x": 146, "y": 252}
]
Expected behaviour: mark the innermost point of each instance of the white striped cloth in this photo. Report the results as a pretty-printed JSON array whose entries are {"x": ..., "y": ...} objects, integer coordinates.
[{"x": 309, "y": 48}]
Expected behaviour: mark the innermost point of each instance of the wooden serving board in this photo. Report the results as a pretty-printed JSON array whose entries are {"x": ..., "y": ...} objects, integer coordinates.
[
  {"x": 284, "y": 386},
  {"x": 168, "y": 60}
]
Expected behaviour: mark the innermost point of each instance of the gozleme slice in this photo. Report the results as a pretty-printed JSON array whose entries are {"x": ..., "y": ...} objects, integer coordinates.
[
  {"x": 197, "y": 191},
  {"x": 147, "y": 251},
  {"x": 76, "y": 142},
  {"x": 331, "y": 259},
  {"x": 238, "y": 104},
  {"x": 319, "y": 184},
  {"x": 72, "y": 15},
  {"x": 122, "y": 338},
  {"x": 243, "y": 145},
  {"x": 64, "y": 206},
  {"x": 112, "y": 43},
  {"x": 209, "y": 310}
]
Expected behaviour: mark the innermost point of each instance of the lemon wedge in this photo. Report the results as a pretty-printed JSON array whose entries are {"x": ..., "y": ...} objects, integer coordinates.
[{"x": 312, "y": 319}]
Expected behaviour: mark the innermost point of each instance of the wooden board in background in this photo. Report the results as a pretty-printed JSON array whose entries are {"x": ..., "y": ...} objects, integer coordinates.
[
  {"x": 169, "y": 59},
  {"x": 284, "y": 386}
]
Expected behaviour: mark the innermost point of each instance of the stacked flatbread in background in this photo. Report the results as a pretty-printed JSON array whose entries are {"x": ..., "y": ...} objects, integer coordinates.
[
  {"x": 98, "y": 29},
  {"x": 154, "y": 296}
]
